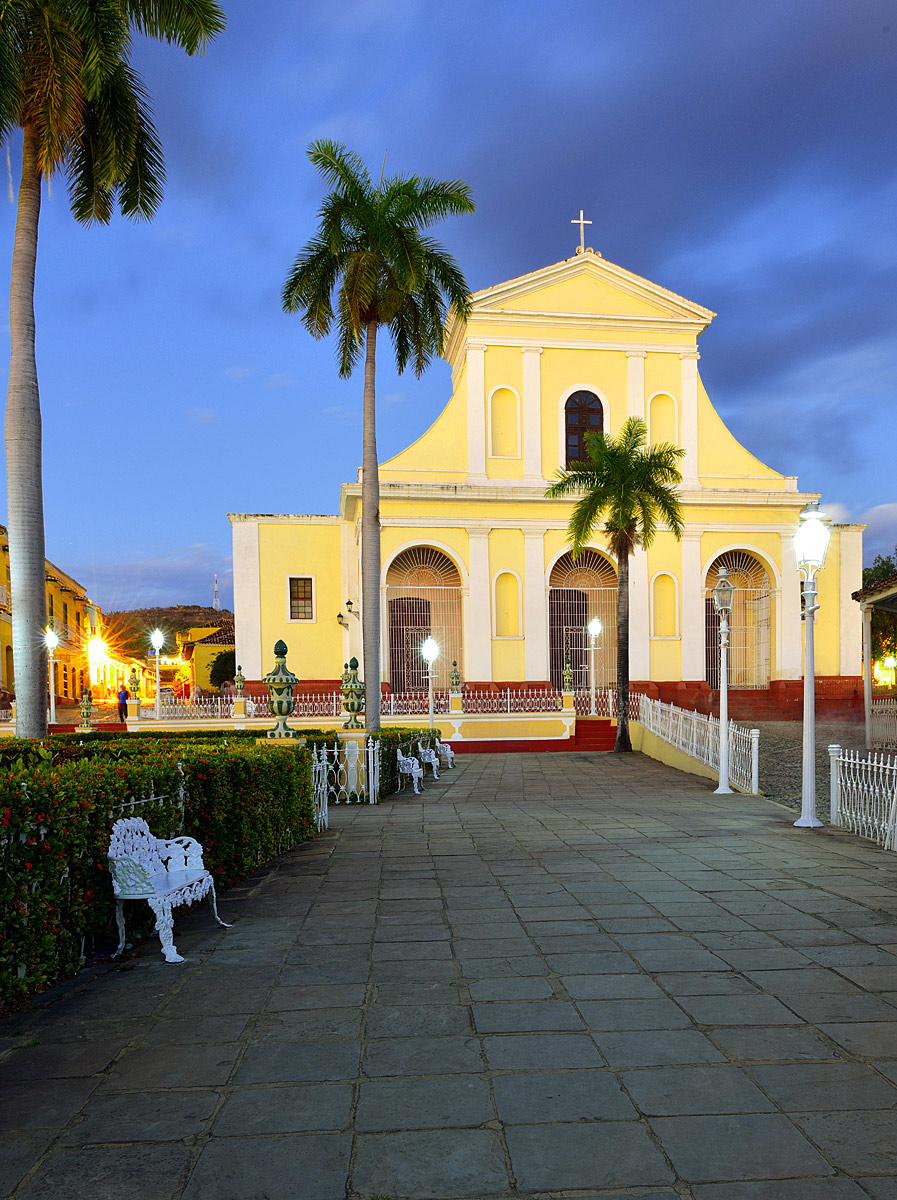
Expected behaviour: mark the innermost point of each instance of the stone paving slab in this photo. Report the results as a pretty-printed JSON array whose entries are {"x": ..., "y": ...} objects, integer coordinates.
[{"x": 550, "y": 976}]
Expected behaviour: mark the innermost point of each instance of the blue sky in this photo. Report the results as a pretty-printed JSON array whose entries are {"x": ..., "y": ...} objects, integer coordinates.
[{"x": 743, "y": 156}]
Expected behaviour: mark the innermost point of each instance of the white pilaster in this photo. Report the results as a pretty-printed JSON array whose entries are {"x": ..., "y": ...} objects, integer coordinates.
[
  {"x": 789, "y": 643},
  {"x": 691, "y": 591},
  {"x": 636, "y": 365},
  {"x": 532, "y": 414},
  {"x": 639, "y": 648},
  {"x": 689, "y": 425},
  {"x": 850, "y": 543},
  {"x": 535, "y": 601},
  {"x": 247, "y": 598},
  {"x": 479, "y": 630},
  {"x": 476, "y": 415}
]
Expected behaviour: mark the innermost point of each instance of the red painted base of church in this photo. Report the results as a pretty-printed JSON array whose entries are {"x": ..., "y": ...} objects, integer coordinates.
[{"x": 838, "y": 697}]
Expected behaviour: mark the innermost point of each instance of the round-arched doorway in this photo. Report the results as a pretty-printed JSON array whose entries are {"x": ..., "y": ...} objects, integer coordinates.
[
  {"x": 423, "y": 599},
  {"x": 577, "y": 592},
  {"x": 749, "y": 622}
]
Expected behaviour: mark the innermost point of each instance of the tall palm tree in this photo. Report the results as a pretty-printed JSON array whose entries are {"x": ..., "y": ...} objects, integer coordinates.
[
  {"x": 66, "y": 82},
  {"x": 630, "y": 488},
  {"x": 370, "y": 264}
]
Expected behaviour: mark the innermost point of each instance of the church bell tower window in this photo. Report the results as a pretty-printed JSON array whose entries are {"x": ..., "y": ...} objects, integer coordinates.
[{"x": 583, "y": 414}]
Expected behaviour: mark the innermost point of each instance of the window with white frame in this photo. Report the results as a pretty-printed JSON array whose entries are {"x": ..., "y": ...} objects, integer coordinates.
[{"x": 302, "y": 598}]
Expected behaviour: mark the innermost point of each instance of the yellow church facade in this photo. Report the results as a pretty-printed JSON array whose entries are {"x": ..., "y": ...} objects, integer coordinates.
[{"x": 476, "y": 556}]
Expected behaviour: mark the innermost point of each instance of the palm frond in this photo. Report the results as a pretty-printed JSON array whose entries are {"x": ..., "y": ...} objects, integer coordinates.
[{"x": 190, "y": 24}]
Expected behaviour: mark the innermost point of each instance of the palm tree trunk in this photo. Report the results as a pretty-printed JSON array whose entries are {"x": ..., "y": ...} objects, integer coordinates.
[
  {"x": 370, "y": 540},
  {"x": 23, "y": 463},
  {"x": 623, "y": 742}
]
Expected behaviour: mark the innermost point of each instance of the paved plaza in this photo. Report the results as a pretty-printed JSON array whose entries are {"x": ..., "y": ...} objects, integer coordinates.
[{"x": 557, "y": 975}]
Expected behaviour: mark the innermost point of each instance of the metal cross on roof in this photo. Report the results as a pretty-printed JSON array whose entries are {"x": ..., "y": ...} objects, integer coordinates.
[{"x": 581, "y": 222}]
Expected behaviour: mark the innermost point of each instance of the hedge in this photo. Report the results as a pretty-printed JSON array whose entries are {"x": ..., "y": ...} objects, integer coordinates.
[{"x": 245, "y": 803}]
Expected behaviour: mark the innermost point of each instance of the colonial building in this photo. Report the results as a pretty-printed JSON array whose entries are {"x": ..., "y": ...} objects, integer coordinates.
[{"x": 474, "y": 554}]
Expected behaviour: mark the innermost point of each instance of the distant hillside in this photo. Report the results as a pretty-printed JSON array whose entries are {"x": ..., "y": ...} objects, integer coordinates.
[{"x": 129, "y": 630}]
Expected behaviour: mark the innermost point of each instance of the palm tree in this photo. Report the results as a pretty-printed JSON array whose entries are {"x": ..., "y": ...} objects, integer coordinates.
[
  {"x": 631, "y": 488},
  {"x": 66, "y": 82},
  {"x": 370, "y": 264}
]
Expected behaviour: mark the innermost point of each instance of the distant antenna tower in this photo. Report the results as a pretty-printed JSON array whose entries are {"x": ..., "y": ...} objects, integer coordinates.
[{"x": 216, "y": 599}]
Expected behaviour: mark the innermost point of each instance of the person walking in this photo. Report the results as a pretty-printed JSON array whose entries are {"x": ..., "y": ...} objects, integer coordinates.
[{"x": 123, "y": 697}]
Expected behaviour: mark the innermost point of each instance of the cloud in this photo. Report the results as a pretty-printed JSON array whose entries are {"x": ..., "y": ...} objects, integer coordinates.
[
  {"x": 236, "y": 372},
  {"x": 392, "y": 398},
  {"x": 202, "y": 416},
  {"x": 280, "y": 380},
  {"x": 184, "y": 576},
  {"x": 881, "y": 535}
]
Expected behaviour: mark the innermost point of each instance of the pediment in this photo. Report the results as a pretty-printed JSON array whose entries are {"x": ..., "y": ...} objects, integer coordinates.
[{"x": 588, "y": 285}]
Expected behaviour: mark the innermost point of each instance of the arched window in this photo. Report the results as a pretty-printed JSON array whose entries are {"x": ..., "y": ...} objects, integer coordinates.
[
  {"x": 423, "y": 599},
  {"x": 582, "y": 414},
  {"x": 577, "y": 592},
  {"x": 748, "y": 622}
]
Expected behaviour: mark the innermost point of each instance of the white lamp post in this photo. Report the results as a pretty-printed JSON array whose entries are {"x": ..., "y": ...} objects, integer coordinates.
[
  {"x": 810, "y": 545},
  {"x": 722, "y": 593},
  {"x": 430, "y": 652},
  {"x": 51, "y": 641},
  {"x": 594, "y": 631},
  {"x": 157, "y": 637}
]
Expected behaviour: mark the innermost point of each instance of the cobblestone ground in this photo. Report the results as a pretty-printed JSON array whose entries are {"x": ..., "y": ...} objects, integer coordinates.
[
  {"x": 552, "y": 976},
  {"x": 781, "y": 754}
]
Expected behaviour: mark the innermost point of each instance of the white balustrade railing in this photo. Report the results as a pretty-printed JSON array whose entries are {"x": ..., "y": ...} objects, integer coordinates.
[
  {"x": 211, "y": 708},
  {"x": 512, "y": 700},
  {"x": 344, "y": 773},
  {"x": 864, "y": 794},
  {"x": 698, "y": 736},
  {"x": 883, "y": 723},
  {"x": 5, "y": 714},
  {"x": 314, "y": 704},
  {"x": 413, "y": 704}
]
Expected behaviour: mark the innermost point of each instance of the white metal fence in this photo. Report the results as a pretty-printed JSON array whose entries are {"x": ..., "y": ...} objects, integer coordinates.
[
  {"x": 864, "y": 794},
  {"x": 510, "y": 700},
  {"x": 698, "y": 736},
  {"x": 344, "y": 773},
  {"x": 883, "y": 723}
]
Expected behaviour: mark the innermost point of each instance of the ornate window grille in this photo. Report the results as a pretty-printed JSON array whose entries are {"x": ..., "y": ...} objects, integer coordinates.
[
  {"x": 423, "y": 599},
  {"x": 749, "y": 622},
  {"x": 577, "y": 592}
]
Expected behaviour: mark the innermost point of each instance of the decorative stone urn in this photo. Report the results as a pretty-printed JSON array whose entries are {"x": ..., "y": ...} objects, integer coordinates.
[
  {"x": 134, "y": 685},
  {"x": 568, "y": 676},
  {"x": 281, "y": 682},
  {"x": 353, "y": 695},
  {"x": 455, "y": 678},
  {"x": 86, "y": 709},
  {"x": 239, "y": 681}
]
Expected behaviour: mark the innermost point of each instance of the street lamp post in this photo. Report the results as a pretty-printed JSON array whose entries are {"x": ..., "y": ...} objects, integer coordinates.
[
  {"x": 810, "y": 545},
  {"x": 594, "y": 631},
  {"x": 722, "y": 593},
  {"x": 51, "y": 641},
  {"x": 430, "y": 652},
  {"x": 157, "y": 637}
]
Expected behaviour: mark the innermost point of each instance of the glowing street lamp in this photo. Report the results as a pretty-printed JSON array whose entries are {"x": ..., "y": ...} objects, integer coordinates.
[
  {"x": 594, "y": 631},
  {"x": 810, "y": 544},
  {"x": 722, "y": 593},
  {"x": 157, "y": 637},
  {"x": 51, "y": 641},
  {"x": 430, "y": 652}
]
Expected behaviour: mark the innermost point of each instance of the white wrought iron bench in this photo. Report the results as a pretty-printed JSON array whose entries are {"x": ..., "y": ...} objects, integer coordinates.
[
  {"x": 411, "y": 768},
  {"x": 445, "y": 752},
  {"x": 165, "y": 874},
  {"x": 428, "y": 757}
]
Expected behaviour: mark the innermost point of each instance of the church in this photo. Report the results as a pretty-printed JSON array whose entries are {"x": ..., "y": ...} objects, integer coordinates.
[{"x": 476, "y": 556}]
